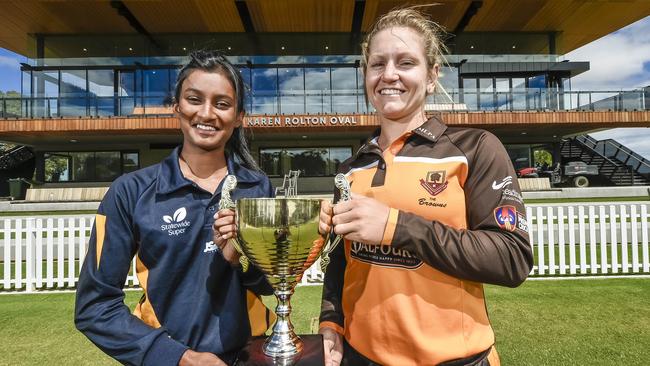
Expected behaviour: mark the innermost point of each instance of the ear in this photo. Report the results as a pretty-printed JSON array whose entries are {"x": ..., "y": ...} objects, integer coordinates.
[
  {"x": 176, "y": 109},
  {"x": 432, "y": 79}
]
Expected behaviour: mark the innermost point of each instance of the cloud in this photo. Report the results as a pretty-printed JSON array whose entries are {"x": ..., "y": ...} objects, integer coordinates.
[
  {"x": 635, "y": 139},
  {"x": 617, "y": 61},
  {"x": 9, "y": 62}
]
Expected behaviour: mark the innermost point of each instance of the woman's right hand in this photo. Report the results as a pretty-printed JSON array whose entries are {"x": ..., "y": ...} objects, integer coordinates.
[
  {"x": 193, "y": 358},
  {"x": 333, "y": 344}
]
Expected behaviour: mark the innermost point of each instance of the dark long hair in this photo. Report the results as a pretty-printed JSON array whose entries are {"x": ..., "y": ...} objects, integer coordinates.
[{"x": 213, "y": 61}]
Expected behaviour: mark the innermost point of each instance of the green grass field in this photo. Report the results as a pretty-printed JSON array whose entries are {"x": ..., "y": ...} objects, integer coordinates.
[{"x": 570, "y": 322}]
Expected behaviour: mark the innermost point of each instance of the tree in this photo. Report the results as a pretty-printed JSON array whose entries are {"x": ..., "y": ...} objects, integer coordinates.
[{"x": 12, "y": 105}]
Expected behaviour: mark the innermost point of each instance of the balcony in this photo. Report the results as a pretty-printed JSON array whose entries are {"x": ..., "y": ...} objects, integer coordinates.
[{"x": 330, "y": 102}]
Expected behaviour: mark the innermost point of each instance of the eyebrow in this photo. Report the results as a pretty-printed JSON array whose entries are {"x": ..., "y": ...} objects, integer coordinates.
[{"x": 194, "y": 90}]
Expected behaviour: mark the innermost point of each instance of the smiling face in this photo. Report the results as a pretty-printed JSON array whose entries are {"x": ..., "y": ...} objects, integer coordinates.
[
  {"x": 397, "y": 76},
  {"x": 207, "y": 109}
]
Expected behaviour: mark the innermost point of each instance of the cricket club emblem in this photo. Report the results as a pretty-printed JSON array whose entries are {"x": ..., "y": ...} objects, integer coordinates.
[
  {"x": 506, "y": 217},
  {"x": 435, "y": 182}
]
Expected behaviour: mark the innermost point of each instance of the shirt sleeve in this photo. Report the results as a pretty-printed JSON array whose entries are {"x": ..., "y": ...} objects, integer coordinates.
[
  {"x": 331, "y": 315},
  {"x": 100, "y": 312},
  {"x": 495, "y": 248}
]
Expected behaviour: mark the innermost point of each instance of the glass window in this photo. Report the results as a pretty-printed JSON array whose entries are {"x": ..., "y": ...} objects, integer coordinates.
[
  {"x": 264, "y": 91},
  {"x": 73, "y": 93},
  {"x": 130, "y": 162},
  {"x": 101, "y": 89},
  {"x": 502, "y": 86},
  {"x": 156, "y": 87},
  {"x": 88, "y": 166},
  {"x": 57, "y": 167},
  {"x": 344, "y": 90},
  {"x": 536, "y": 95},
  {"x": 46, "y": 89},
  {"x": 486, "y": 95},
  {"x": 519, "y": 94},
  {"x": 311, "y": 161},
  {"x": 317, "y": 88},
  {"x": 292, "y": 94},
  {"x": 107, "y": 165},
  {"x": 470, "y": 94},
  {"x": 126, "y": 92}
]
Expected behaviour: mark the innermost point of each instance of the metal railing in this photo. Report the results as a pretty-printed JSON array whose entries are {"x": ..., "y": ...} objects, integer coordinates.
[
  {"x": 350, "y": 101},
  {"x": 613, "y": 149}
]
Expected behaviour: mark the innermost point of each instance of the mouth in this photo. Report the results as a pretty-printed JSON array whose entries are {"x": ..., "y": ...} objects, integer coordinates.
[
  {"x": 391, "y": 91},
  {"x": 204, "y": 127}
]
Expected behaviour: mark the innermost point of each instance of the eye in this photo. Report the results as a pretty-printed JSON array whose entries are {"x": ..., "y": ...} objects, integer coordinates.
[
  {"x": 222, "y": 104},
  {"x": 192, "y": 99}
]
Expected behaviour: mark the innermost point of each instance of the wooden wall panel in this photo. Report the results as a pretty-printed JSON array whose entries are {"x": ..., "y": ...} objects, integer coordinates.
[
  {"x": 309, "y": 122},
  {"x": 301, "y": 15},
  {"x": 189, "y": 16}
]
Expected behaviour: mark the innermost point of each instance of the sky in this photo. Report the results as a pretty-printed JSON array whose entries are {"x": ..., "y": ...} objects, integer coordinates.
[{"x": 620, "y": 60}]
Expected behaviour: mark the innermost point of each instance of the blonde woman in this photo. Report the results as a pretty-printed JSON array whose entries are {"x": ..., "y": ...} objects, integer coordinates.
[{"x": 435, "y": 213}]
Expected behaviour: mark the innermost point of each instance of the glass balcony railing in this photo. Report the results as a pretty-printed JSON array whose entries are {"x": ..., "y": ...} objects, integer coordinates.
[{"x": 351, "y": 101}]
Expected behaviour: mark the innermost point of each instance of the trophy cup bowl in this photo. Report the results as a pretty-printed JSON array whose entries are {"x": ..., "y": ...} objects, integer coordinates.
[{"x": 280, "y": 236}]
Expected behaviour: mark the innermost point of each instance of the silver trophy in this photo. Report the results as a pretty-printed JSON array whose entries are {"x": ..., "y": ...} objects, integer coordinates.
[{"x": 280, "y": 237}]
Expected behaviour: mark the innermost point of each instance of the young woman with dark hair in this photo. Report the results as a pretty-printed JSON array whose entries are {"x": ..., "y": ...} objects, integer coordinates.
[{"x": 195, "y": 302}]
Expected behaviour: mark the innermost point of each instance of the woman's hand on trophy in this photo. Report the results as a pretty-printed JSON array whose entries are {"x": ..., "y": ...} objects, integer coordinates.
[
  {"x": 361, "y": 219},
  {"x": 333, "y": 346},
  {"x": 193, "y": 358},
  {"x": 224, "y": 229},
  {"x": 325, "y": 222}
]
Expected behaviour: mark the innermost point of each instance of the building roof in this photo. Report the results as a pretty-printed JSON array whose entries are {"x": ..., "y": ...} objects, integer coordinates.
[{"x": 575, "y": 22}]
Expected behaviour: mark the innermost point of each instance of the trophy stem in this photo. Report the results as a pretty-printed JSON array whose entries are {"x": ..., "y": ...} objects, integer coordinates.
[{"x": 283, "y": 342}]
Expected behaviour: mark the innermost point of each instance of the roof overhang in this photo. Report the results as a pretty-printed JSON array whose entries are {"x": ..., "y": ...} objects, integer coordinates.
[{"x": 575, "y": 22}]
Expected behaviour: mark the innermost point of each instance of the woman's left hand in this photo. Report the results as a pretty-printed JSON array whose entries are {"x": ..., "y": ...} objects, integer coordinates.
[
  {"x": 224, "y": 228},
  {"x": 361, "y": 219}
]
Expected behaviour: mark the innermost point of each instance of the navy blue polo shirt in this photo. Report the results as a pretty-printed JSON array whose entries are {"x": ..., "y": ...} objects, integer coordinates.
[{"x": 193, "y": 298}]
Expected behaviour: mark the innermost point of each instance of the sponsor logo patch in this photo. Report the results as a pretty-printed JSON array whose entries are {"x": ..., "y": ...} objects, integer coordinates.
[
  {"x": 506, "y": 217},
  {"x": 384, "y": 255},
  {"x": 522, "y": 224},
  {"x": 210, "y": 247},
  {"x": 511, "y": 195},
  {"x": 435, "y": 182},
  {"x": 176, "y": 224},
  {"x": 504, "y": 182}
]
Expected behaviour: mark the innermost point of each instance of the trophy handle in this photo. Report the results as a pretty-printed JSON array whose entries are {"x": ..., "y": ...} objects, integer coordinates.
[
  {"x": 226, "y": 202},
  {"x": 333, "y": 240}
]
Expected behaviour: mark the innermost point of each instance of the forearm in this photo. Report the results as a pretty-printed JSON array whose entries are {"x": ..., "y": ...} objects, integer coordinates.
[{"x": 489, "y": 256}]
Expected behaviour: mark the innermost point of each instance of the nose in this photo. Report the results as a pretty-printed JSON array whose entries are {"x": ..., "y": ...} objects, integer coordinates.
[
  {"x": 390, "y": 72},
  {"x": 206, "y": 111}
]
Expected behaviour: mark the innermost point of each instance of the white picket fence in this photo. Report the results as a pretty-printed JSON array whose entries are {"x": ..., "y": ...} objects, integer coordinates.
[{"x": 46, "y": 253}]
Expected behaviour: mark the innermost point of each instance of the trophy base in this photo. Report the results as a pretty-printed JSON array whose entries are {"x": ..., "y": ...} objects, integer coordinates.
[{"x": 312, "y": 354}]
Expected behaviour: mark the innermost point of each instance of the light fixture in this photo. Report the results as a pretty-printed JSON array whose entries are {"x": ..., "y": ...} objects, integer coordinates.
[
  {"x": 282, "y": 47},
  {"x": 73, "y": 141},
  {"x": 471, "y": 47},
  {"x": 327, "y": 48},
  {"x": 85, "y": 50},
  {"x": 229, "y": 48},
  {"x": 304, "y": 137},
  {"x": 184, "y": 48},
  {"x": 523, "y": 133},
  {"x": 130, "y": 49},
  {"x": 513, "y": 46}
]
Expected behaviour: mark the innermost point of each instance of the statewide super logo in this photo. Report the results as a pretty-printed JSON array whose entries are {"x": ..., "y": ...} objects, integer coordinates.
[
  {"x": 176, "y": 224},
  {"x": 506, "y": 217},
  {"x": 435, "y": 182}
]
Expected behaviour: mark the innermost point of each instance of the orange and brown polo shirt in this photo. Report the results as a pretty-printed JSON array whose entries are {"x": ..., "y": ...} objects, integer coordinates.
[{"x": 457, "y": 220}]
